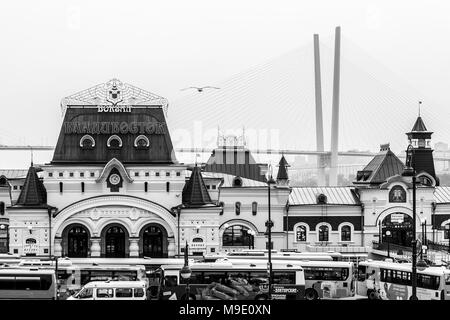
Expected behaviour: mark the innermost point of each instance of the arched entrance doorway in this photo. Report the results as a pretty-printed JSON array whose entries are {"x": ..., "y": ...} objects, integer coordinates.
[
  {"x": 77, "y": 242},
  {"x": 400, "y": 226},
  {"x": 153, "y": 241},
  {"x": 115, "y": 242}
]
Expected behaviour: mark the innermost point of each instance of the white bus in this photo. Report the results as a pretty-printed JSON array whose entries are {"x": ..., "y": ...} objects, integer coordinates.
[
  {"x": 323, "y": 279},
  {"x": 226, "y": 281},
  {"x": 392, "y": 281},
  {"x": 253, "y": 254},
  {"x": 27, "y": 283}
]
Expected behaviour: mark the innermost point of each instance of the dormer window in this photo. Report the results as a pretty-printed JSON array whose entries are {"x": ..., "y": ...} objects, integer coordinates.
[
  {"x": 141, "y": 142},
  {"x": 114, "y": 142},
  {"x": 321, "y": 199},
  {"x": 237, "y": 182},
  {"x": 87, "y": 142}
]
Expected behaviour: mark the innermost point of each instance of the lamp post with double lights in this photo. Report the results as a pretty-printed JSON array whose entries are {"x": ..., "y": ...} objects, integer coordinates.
[{"x": 269, "y": 225}]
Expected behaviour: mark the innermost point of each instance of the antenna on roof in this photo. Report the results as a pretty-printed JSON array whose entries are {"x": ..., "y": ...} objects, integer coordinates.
[{"x": 420, "y": 102}]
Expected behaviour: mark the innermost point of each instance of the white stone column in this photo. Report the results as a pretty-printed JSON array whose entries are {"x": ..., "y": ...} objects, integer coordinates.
[
  {"x": 171, "y": 252},
  {"x": 57, "y": 248},
  {"x": 134, "y": 247},
  {"x": 95, "y": 247}
]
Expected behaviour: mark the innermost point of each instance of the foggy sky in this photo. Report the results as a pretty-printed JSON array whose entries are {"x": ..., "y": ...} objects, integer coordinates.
[{"x": 51, "y": 49}]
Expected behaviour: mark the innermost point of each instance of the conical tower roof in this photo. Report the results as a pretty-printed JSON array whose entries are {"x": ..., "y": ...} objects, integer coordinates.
[
  {"x": 33, "y": 192},
  {"x": 282, "y": 169},
  {"x": 195, "y": 192},
  {"x": 419, "y": 126}
]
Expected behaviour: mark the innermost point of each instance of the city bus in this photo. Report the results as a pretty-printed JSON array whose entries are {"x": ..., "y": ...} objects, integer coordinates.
[
  {"x": 151, "y": 264},
  {"x": 253, "y": 254},
  {"x": 392, "y": 281},
  {"x": 323, "y": 279},
  {"x": 27, "y": 283},
  {"x": 7, "y": 259},
  {"x": 226, "y": 281}
]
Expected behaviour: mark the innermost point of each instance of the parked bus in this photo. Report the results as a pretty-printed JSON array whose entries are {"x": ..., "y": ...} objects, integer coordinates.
[
  {"x": 392, "y": 281},
  {"x": 112, "y": 290},
  {"x": 151, "y": 264},
  {"x": 9, "y": 259},
  {"x": 323, "y": 279},
  {"x": 27, "y": 283},
  {"x": 317, "y": 256},
  {"x": 226, "y": 281}
]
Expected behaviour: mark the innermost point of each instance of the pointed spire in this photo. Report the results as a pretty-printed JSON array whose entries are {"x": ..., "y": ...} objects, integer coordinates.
[
  {"x": 419, "y": 126},
  {"x": 282, "y": 170},
  {"x": 195, "y": 192},
  {"x": 33, "y": 192}
]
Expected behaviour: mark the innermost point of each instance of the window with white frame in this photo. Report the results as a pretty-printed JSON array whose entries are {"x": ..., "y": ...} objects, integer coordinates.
[
  {"x": 300, "y": 234},
  {"x": 323, "y": 233},
  {"x": 346, "y": 233}
]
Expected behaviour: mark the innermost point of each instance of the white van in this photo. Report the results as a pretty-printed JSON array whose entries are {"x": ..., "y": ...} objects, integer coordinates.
[{"x": 112, "y": 290}]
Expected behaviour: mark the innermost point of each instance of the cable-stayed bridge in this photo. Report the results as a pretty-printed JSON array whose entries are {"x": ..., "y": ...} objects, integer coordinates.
[{"x": 276, "y": 103}]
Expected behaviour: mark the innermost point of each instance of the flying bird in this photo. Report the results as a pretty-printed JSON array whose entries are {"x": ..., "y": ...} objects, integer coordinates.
[{"x": 200, "y": 89}]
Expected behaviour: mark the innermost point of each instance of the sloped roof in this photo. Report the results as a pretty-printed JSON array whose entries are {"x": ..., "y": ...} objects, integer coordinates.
[
  {"x": 237, "y": 161},
  {"x": 419, "y": 126},
  {"x": 282, "y": 169},
  {"x": 335, "y": 196},
  {"x": 114, "y": 108},
  {"x": 14, "y": 173},
  {"x": 194, "y": 192},
  {"x": 33, "y": 192},
  {"x": 442, "y": 194},
  {"x": 228, "y": 180},
  {"x": 384, "y": 165}
]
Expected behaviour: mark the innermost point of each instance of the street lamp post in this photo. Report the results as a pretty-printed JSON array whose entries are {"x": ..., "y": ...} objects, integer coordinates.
[
  {"x": 410, "y": 170},
  {"x": 269, "y": 225},
  {"x": 178, "y": 225},
  {"x": 388, "y": 235},
  {"x": 186, "y": 272}
]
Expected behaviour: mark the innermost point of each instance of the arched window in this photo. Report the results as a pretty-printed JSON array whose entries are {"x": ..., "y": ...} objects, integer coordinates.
[
  {"x": 237, "y": 182},
  {"x": 3, "y": 181},
  {"x": 236, "y": 236},
  {"x": 87, "y": 142},
  {"x": 30, "y": 241},
  {"x": 397, "y": 194},
  {"x": 323, "y": 233},
  {"x": 424, "y": 180},
  {"x": 254, "y": 207},
  {"x": 238, "y": 208},
  {"x": 446, "y": 232},
  {"x": 198, "y": 240},
  {"x": 300, "y": 233},
  {"x": 141, "y": 142},
  {"x": 114, "y": 142},
  {"x": 346, "y": 233}
]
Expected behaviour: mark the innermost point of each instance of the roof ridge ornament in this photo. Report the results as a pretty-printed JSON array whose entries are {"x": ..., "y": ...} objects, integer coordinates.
[{"x": 114, "y": 96}]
